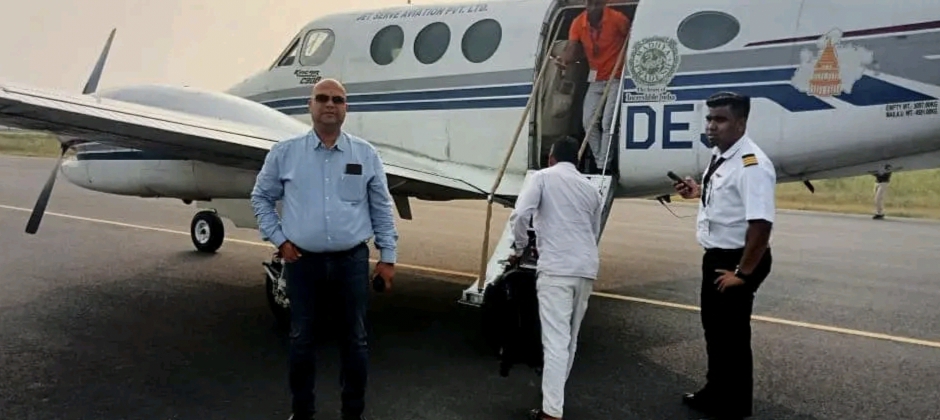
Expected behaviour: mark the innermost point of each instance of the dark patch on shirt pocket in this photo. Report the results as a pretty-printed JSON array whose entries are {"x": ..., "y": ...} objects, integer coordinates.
[{"x": 352, "y": 188}]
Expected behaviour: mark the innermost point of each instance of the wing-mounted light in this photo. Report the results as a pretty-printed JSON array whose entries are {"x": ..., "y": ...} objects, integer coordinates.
[{"x": 90, "y": 87}]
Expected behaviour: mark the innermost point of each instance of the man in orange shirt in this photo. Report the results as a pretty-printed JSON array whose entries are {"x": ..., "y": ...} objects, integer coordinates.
[{"x": 598, "y": 34}]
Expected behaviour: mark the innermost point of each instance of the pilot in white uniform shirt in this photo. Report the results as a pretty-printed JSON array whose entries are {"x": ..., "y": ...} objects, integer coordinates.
[
  {"x": 735, "y": 219},
  {"x": 742, "y": 188}
]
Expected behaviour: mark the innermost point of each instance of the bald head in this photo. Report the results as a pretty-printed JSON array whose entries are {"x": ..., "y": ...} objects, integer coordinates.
[
  {"x": 328, "y": 106},
  {"x": 328, "y": 83}
]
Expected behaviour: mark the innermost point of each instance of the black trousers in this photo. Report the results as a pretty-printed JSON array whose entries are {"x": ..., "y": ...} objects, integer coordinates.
[
  {"x": 726, "y": 319},
  {"x": 329, "y": 294}
]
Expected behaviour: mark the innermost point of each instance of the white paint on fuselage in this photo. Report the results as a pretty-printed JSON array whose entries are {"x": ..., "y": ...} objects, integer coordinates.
[{"x": 846, "y": 139}]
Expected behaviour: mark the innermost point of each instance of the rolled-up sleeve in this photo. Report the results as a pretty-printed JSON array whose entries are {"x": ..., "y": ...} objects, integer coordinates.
[
  {"x": 380, "y": 209},
  {"x": 759, "y": 186},
  {"x": 264, "y": 196}
]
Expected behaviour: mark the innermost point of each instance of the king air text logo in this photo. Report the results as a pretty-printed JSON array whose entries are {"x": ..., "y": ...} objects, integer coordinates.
[
  {"x": 308, "y": 77},
  {"x": 653, "y": 62}
]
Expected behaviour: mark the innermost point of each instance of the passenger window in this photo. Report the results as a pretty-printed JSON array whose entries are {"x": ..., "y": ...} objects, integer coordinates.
[
  {"x": 481, "y": 40},
  {"x": 432, "y": 42},
  {"x": 386, "y": 45},
  {"x": 317, "y": 47},
  {"x": 707, "y": 30},
  {"x": 290, "y": 55}
]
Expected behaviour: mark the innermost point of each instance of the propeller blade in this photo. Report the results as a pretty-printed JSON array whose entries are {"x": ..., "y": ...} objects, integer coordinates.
[
  {"x": 33, "y": 224},
  {"x": 92, "y": 84}
]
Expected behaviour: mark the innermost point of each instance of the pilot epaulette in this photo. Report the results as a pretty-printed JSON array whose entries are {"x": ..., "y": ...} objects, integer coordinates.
[{"x": 749, "y": 160}]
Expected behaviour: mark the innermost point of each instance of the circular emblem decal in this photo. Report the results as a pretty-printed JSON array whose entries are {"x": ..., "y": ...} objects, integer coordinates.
[{"x": 653, "y": 63}]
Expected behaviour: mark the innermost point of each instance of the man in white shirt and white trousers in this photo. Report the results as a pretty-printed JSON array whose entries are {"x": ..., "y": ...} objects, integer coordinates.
[{"x": 567, "y": 210}]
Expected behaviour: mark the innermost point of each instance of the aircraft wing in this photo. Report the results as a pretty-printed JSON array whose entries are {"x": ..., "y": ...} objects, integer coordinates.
[{"x": 93, "y": 118}]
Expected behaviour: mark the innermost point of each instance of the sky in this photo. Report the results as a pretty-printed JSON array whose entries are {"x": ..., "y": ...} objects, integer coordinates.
[{"x": 210, "y": 44}]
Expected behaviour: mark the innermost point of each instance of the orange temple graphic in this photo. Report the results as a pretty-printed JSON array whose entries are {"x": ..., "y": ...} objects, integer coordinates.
[{"x": 825, "y": 80}]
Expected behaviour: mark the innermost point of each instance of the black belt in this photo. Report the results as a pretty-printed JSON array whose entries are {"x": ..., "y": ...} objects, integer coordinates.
[
  {"x": 724, "y": 249},
  {"x": 727, "y": 250},
  {"x": 332, "y": 253}
]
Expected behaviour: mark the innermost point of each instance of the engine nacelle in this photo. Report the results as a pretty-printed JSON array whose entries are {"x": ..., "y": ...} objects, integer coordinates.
[
  {"x": 115, "y": 170},
  {"x": 135, "y": 173},
  {"x": 219, "y": 105}
]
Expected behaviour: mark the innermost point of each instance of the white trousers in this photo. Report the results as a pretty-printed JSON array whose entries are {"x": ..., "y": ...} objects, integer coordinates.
[
  {"x": 562, "y": 304},
  {"x": 599, "y": 139},
  {"x": 880, "y": 189}
]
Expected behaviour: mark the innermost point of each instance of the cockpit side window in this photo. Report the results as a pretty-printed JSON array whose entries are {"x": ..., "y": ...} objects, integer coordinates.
[
  {"x": 318, "y": 45},
  {"x": 289, "y": 55}
]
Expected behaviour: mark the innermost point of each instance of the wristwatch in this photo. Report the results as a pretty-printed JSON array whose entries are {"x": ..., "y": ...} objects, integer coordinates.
[{"x": 739, "y": 274}]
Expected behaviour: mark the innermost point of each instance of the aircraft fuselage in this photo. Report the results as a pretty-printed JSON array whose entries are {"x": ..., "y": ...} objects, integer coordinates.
[{"x": 836, "y": 91}]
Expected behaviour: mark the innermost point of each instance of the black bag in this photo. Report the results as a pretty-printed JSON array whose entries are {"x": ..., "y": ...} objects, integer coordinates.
[{"x": 511, "y": 315}]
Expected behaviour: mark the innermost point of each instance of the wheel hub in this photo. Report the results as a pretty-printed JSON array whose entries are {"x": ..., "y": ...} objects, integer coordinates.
[{"x": 202, "y": 231}]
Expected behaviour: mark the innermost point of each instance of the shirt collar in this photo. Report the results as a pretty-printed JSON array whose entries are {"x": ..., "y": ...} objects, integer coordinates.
[
  {"x": 342, "y": 143},
  {"x": 567, "y": 166},
  {"x": 605, "y": 15},
  {"x": 731, "y": 150}
]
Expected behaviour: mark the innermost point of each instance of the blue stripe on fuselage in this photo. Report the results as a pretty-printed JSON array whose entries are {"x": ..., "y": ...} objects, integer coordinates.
[
  {"x": 772, "y": 84},
  {"x": 756, "y": 83},
  {"x": 760, "y": 84},
  {"x": 522, "y": 90},
  {"x": 125, "y": 154},
  {"x": 726, "y": 78}
]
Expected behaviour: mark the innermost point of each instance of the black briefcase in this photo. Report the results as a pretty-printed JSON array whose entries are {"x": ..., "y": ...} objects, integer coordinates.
[{"x": 511, "y": 321}]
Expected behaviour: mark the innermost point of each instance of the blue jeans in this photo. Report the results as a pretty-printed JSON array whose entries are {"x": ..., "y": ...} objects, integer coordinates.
[{"x": 329, "y": 291}]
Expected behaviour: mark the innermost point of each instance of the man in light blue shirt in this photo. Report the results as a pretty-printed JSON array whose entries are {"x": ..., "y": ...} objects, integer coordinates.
[{"x": 335, "y": 198}]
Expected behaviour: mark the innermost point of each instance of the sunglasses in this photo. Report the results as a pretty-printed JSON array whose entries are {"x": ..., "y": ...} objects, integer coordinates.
[{"x": 339, "y": 100}]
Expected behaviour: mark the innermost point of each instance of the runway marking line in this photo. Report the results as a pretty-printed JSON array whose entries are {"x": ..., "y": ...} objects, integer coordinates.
[{"x": 624, "y": 298}]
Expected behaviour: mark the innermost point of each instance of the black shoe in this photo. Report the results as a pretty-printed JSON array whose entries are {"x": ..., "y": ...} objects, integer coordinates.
[
  {"x": 353, "y": 417},
  {"x": 538, "y": 414},
  {"x": 535, "y": 414},
  {"x": 878, "y": 216},
  {"x": 696, "y": 401}
]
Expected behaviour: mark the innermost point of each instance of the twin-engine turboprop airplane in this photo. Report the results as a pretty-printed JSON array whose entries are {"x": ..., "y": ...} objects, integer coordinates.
[{"x": 838, "y": 90}]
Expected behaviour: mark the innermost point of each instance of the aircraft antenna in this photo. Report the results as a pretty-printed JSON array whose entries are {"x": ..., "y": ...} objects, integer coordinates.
[{"x": 536, "y": 87}]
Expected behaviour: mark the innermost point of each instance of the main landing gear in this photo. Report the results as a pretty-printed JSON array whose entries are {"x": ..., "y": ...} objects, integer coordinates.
[{"x": 207, "y": 231}]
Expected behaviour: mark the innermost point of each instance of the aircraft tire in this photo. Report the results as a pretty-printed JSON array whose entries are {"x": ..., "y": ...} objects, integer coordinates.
[
  {"x": 207, "y": 231},
  {"x": 281, "y": 314}
]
